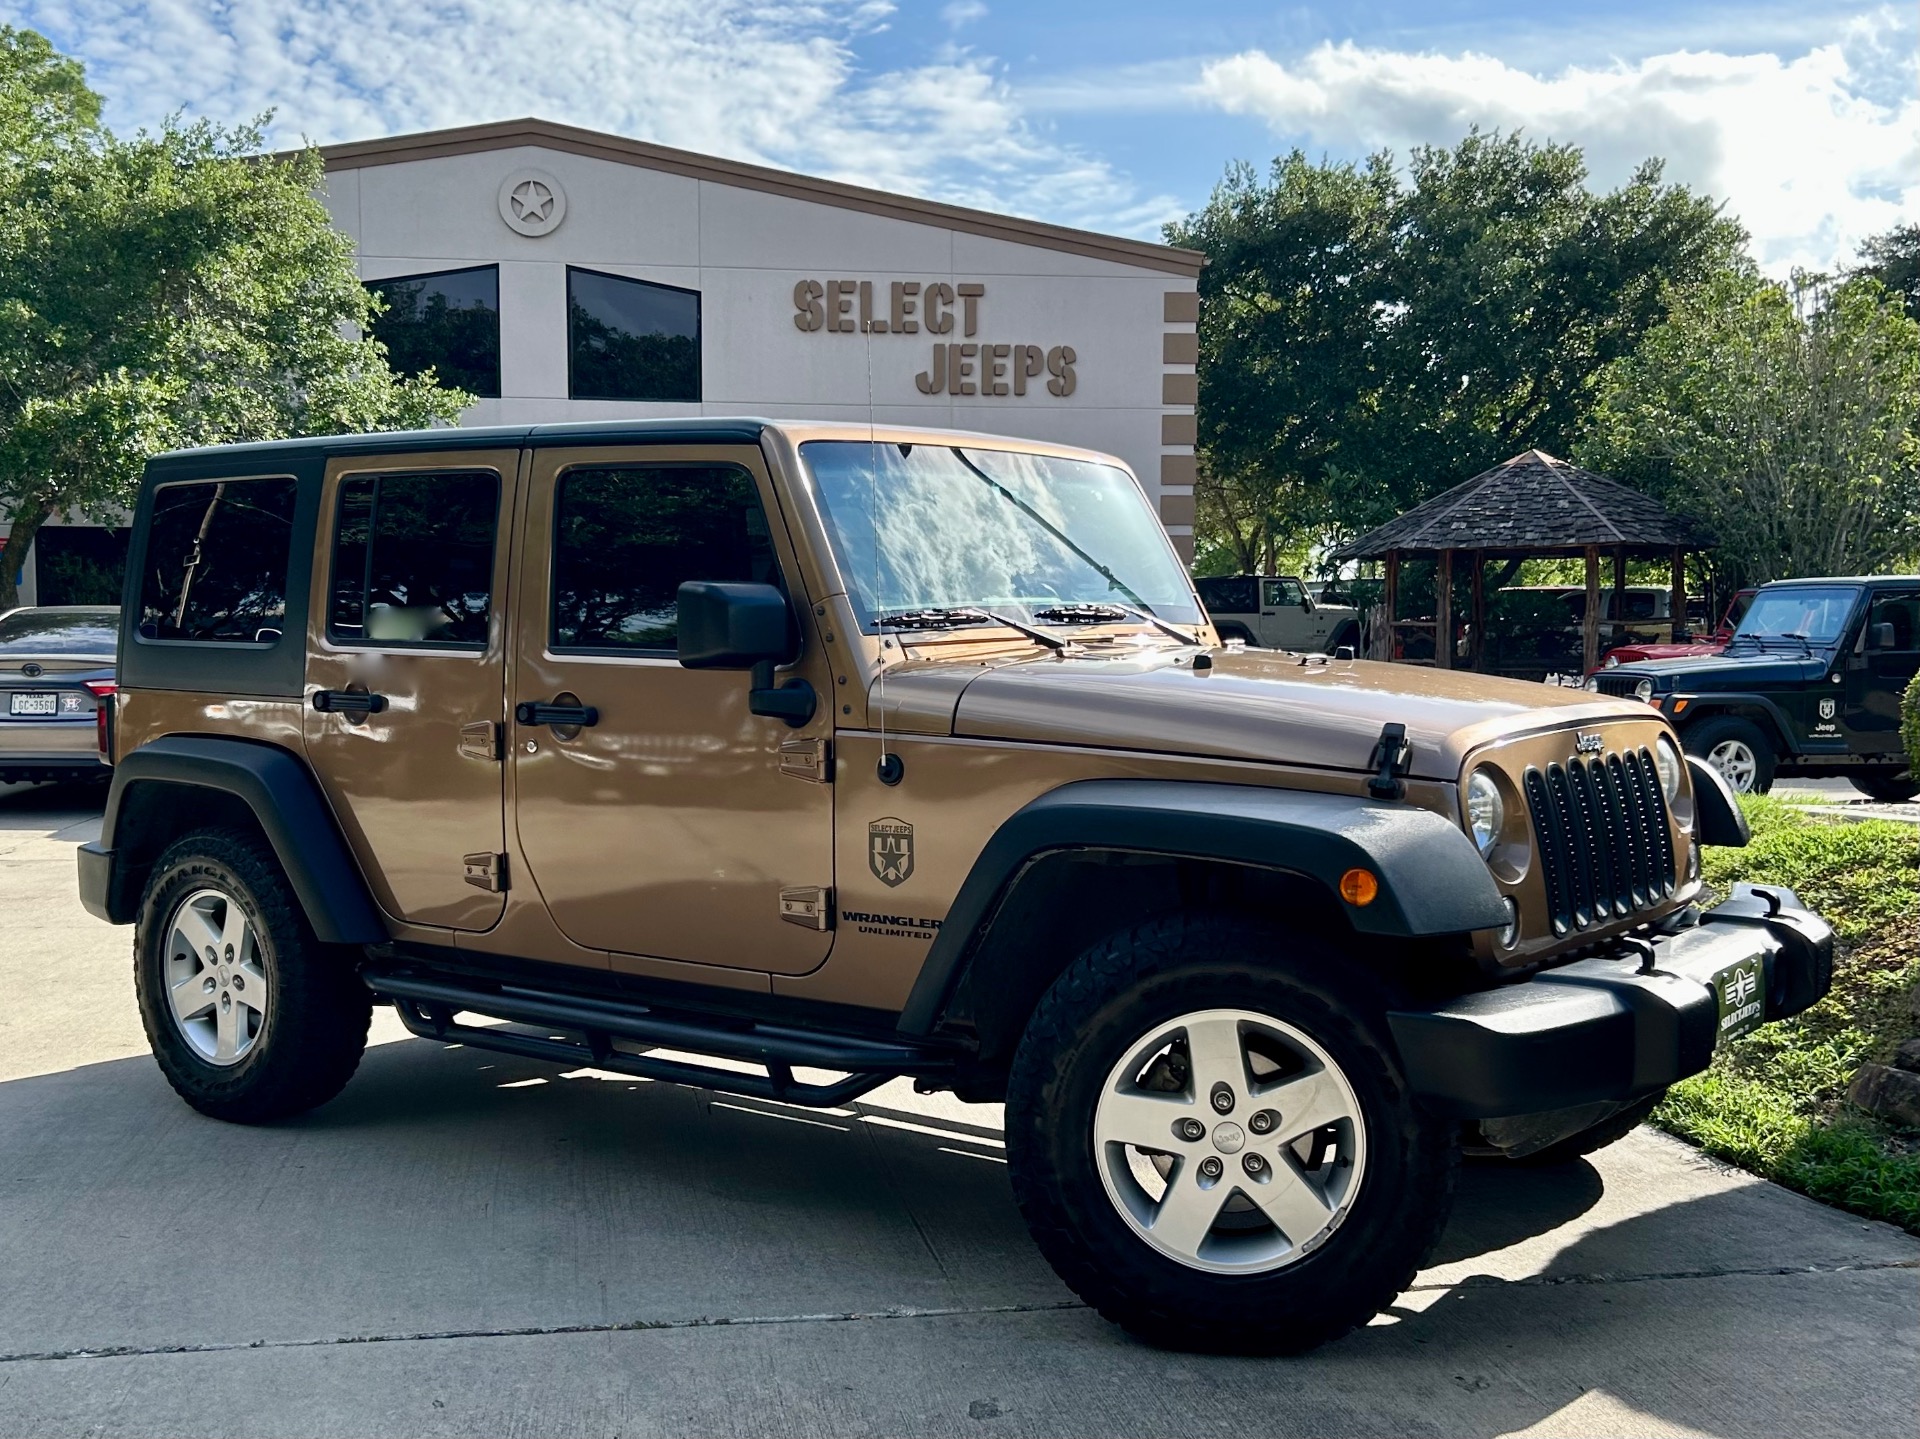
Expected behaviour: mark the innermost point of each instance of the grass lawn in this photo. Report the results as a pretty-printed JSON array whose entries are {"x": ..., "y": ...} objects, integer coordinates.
[{"x": 1775, "y": 1102}]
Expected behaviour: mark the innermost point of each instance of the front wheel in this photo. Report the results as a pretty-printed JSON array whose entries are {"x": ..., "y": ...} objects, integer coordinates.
[
  {"x": 1212, "y": 1142},
  {"x": 1737, "y": 748}
]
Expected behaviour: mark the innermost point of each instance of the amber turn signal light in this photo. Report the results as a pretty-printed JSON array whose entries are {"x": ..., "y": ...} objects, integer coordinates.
[{"x": 1359, "y": 887}]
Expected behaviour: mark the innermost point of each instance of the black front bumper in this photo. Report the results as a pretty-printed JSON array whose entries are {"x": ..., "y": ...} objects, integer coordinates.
[{"x": 1615, "y": 1027}]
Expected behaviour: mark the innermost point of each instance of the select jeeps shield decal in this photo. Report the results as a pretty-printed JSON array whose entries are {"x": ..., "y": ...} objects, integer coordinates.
[
  {"x": 890, "y": 850},
  {"x": 1826, "y": 709}
]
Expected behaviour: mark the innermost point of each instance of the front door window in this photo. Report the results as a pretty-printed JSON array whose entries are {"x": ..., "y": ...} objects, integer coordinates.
[{"x": 665, "y": 830}]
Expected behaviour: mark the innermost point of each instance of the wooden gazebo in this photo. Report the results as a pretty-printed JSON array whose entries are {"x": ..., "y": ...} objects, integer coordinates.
[{"x": 1533, "y": 506}]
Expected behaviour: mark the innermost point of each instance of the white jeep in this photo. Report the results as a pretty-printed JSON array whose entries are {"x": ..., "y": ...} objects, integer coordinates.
[{"x": 1276, "y": 612}]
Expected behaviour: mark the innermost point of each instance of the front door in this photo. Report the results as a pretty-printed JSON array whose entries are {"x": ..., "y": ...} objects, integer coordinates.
[
  {"x": 405, "y": 676},
  {"x": 674, "y": 825},
  {"x": 1876, "y": 678}
]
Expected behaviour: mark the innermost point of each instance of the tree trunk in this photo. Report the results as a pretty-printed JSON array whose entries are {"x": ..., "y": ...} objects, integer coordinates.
[{"x": 13, "y": 554}]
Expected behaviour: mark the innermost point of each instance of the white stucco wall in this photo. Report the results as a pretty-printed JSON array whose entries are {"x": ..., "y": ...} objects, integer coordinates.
[{"x": 744, "y": 250}]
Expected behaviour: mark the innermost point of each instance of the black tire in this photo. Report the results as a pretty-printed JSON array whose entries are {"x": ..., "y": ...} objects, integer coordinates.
[
  {"x": 1111, "y": 1000},
  {"x": 1611, "y": 1130},
  {"x": 1886, "y": 788},
  {"x": 1707, "y": 735},
  {"x": 1237, "y": 632},
  {"x": 1348, "y": 634},
  {"x": 313, "y": 1028}
]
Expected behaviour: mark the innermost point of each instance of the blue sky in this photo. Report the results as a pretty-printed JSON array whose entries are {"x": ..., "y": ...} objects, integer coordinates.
[{"x": 1803, "y": 118}]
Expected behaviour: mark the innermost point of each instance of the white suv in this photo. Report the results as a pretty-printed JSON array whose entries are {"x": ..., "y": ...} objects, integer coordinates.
[{"x": 1276, "y": 612}]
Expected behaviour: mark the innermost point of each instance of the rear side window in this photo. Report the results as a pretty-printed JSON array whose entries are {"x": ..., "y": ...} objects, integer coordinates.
[
  {"x": 1228, "y": 596},
  {"x": 413, "y": 559},
  {"x": 215, "y": 567},
  {"x": 626, "y": 539}
]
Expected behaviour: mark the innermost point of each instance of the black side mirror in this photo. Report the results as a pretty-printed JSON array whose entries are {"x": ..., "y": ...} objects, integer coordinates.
[
  {"x": 745, "y": 627},
  {"x": 1880, "y": 636}
]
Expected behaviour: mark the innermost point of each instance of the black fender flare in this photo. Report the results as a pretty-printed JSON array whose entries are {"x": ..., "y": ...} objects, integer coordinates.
[
  {"x": 1717, "y": 816},
  {"x": 1712, "y": 702},
  {"x": 277, "y": 787},
  {"x": 1432, "y": 879}
]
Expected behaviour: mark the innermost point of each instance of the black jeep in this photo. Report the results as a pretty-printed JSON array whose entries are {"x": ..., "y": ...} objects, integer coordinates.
[{"x": 1810, "y": 684}]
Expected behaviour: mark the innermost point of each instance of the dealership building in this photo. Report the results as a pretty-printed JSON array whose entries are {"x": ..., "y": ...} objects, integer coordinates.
[{"x": 564, "y": 274}]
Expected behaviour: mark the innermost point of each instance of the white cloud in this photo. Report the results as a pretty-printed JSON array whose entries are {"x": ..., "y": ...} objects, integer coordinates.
[
  {"x": 1811, "y": 153},
  {"x": 963, "y": 12},
  {"x": 772, "y": 83}
]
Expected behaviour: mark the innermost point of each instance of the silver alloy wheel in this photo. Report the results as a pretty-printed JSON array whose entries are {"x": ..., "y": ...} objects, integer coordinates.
[
  {"x": 1737, "y": 765},
  {"x": 1230, "y": 1141},
  {"x": 217, "y": 986}
]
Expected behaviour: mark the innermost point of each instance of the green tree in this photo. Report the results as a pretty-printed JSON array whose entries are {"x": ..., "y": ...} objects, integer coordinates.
[
  {"x": 1894, "y": 260},
  {"x": 1296, "y": 273},
  {"x": 1368, "y": 338},
  {"x": 1786, "y": 419},
  {"x": 175, "y": 288}
]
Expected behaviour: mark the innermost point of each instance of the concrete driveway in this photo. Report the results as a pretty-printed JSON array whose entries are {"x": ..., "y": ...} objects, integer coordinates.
[{"x": 468, "y": 1244}]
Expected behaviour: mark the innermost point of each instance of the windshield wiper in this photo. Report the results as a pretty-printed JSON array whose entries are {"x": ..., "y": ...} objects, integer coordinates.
[
  {"x": 1094, "y": 613},
  {"x": 959, "y": 616}
]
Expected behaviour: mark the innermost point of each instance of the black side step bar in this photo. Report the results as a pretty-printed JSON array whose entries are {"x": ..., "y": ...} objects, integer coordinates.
[{"x": 427, "y": 1006}]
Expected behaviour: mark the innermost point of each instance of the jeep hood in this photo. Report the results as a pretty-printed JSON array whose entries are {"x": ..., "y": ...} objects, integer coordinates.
[
  {"x": 1691, "y": 673},
  {"x": 1253, "y": 705}
]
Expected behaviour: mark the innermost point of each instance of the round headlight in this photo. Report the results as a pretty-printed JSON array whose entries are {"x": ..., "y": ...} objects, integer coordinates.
[
  {"x": 1666, "y": 756},
  {"x": 1593, "y": 682},
  {"x": 1486, "y": 812},
  {"x": 1643, "y": 691}
]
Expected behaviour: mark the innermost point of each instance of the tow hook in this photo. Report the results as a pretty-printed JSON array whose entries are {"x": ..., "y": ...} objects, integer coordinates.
[{"x": 1633, "y": 944}]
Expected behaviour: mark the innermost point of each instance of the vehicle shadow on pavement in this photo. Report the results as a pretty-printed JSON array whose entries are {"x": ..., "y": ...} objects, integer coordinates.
[{"x": 450, "y": 1192}]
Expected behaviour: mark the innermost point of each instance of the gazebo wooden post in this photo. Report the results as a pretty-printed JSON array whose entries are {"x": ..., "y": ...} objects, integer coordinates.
[
  {"x": 1392, "y": 600},
  {"x": 1614, "y": 636},
  {"x": 1590, "y": 624},
  {"x": 1443, "y": 611},
  {"x": 1678, "y": 602},
  {"x": 1477, "y": 609}
]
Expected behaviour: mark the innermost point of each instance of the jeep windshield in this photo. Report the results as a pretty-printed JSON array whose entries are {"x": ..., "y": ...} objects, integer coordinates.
[
  {"x": 942, "y": 536},
  {"x": 1795, "y": 617}
]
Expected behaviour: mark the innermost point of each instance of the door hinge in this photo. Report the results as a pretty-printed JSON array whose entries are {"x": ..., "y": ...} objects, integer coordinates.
[
  {"x": 480, "y": 740},
  {"x": 810, "y": 759},
  {"x": 486, "y": 871},
  {"x": 808, "y": 905}
]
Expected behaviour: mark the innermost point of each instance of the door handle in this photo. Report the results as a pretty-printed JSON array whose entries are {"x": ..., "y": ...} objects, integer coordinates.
[
  {"x": 348, "y": 702},
  {"x": 537, "y": 712}
]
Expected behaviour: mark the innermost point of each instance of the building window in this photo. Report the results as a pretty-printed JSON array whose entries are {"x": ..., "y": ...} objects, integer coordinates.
[
  {"x": 625, "y": 539},
  {"x": 448, "y": 323},
  {"x": 631, "y": 340},
  {"x": 216, "y": 562},
  {"x": 413, "y": 559}
]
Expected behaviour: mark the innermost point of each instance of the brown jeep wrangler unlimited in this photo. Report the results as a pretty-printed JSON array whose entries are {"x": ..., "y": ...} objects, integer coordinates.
[{"x": 855, "y": 754}]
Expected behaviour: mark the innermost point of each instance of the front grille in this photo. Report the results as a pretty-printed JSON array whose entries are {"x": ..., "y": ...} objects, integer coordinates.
[
  {"x": 1605, "y": 846},
  {"x": 1621, "y": 685}
]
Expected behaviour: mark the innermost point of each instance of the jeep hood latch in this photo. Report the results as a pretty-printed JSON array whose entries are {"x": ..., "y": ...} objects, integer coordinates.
[{"x": 1391, "y": 758}]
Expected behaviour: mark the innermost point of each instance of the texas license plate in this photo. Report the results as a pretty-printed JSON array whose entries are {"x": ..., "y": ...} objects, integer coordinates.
[
  {"x": 1741, "y": 990},
  {"x": 19, "y": 704}
]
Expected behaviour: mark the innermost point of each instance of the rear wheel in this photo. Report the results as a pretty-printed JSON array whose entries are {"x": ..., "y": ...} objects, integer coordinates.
[
  {"x": 1738, "y": 748},
  {"x": 1887, "y": 788},
  {"x": 1212, "y": 1142},
  {"x": 1347, "y": 635},
  {"x": 1236, "y": 632},
  {"x": 250, "y": 1017}
]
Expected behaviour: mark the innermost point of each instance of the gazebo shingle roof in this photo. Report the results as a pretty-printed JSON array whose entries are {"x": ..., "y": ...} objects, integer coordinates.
[{"x": 1531, "y": 502}]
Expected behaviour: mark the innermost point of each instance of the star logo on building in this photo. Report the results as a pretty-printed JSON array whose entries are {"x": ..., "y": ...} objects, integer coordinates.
[{"x": 531, "y": 201}]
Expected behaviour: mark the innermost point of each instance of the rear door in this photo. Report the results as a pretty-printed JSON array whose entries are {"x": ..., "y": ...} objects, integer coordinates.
[
  {"x": 405, "y": 676},
  {"x": 676, "y": 825}
]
